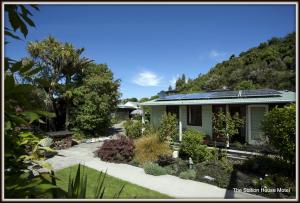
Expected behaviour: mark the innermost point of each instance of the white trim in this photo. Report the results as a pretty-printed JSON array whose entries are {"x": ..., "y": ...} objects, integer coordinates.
[{"x": 250, "y": 141}]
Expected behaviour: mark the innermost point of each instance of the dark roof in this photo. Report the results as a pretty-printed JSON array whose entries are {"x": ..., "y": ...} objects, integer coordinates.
[{"x": 223, "y": 94}]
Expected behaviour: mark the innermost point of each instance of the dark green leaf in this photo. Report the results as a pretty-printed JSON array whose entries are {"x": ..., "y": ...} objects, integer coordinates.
[
  {"x": 25, "y": 11},
  {"x": 35, "y": 7},
  {"x": 12, "y": 35},
  {"x": 28, "y": 20}
]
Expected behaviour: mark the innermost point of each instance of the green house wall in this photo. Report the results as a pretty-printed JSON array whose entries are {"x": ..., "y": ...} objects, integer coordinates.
[{"x": 206, "y": 128}]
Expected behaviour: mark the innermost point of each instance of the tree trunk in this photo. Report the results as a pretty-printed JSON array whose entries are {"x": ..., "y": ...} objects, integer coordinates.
[{"x": 67, "y": 121}]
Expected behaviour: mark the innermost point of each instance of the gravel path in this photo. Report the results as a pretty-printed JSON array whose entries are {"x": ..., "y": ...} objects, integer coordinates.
[{"x": 167, "y": 184}]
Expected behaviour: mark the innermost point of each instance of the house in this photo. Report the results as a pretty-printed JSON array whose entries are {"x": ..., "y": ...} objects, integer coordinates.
[
  {"x": 196, "y": 110},
  {"x": 124, "y": 110}
]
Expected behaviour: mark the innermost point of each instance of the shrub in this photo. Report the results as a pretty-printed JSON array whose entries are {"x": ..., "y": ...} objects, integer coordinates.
[
  {"x": 168, "y": 129},
  {"x": 119, "y": 151},
  {"x": 279, "y": 127},
  {"x": 191, "y": 146},
  {"x": 261, "y": 165},
  {"x": 164, "y": 160},
  {"x": 215, "y": 169},
  {"x": 177, "y": 167},
  {"x": 133, "y": 129},
  {"x": 148, "y": 148},
  {"x": 154, "y": 169},
  {"x": 189, "y": 174}
]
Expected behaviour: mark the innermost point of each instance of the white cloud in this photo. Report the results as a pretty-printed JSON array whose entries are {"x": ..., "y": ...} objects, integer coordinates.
[
  {"x": 147, "y": 78},
  {"x": 216, "y": 54}
]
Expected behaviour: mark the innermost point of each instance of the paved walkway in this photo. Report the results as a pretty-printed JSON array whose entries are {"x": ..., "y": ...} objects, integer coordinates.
[{"x": 167, "y": 184}]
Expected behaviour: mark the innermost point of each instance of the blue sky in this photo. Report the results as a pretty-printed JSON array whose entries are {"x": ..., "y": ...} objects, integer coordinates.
[{"x": 148, "y": 46}]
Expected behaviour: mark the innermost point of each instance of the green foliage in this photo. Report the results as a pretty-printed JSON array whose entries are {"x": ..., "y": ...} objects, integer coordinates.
[
  {"x": 270, "y": 65},
  {"x": 77, "y": 185},
  {"x": 149, "y": 148},
  {"x": 279, "y": 127},
  {"x": 154, "y": 169},
  {"x": 133, "y": 129},
  {"x": 168, "y": 129},
  {"x": 61, "y": 69},
  {"x": 245, "y": 85},
  {"x": 19, "y": 19},
  {"x": 111, "y": 184},
  {"x": 225, "y": 125},
  {"x": 177, "y": 167},
  {"x": 220, "y": 171},
  {"x": 94, "y": 100},
  {"x": 192, "y": 146},
  {"x": 23, "y": 185},
  {"x": 189, "y": 174}
]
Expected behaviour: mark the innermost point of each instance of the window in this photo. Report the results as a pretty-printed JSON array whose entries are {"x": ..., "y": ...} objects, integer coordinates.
[
  {"x": 194, "y": 115},
  {"x": 173, "y": 110}
]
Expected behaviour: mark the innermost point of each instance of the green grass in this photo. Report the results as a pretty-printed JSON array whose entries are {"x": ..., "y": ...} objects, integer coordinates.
[{"x": 112, "y": 185}]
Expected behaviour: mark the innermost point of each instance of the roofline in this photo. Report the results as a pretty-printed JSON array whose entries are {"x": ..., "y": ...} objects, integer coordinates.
[{"x": 182, "y": 103}]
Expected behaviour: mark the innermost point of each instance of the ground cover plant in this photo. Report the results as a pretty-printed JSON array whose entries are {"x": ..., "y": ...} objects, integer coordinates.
[{"x": 154, "y": 169}]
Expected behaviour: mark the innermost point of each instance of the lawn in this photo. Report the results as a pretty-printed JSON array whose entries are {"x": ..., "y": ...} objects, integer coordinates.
[{"x": 112, "y": 185}]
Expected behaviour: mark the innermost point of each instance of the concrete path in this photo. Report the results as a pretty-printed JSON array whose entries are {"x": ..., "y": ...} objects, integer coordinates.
[{"x": 167, "y": 184}]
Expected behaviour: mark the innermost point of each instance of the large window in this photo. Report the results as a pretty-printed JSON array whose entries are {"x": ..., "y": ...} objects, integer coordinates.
[{"x": 194, "y": 115}]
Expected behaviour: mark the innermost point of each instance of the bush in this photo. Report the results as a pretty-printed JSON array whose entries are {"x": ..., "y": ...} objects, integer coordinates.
[
  {"x": 191, "y": 145},
  {"x": 177, "y": 167},
  {"x": 149, "y": 148},
  {"x": 189, "y": 174},
  {"x": 168, "y": 129},
  {"x": 279, "y": 127},
  {"x": 154, "y": 169},
  {"x": 165, "y": 160},
  {"x": 216, "y": 169},
  {"x": 118, "y": 151},
  {"x": 261, "y": 165},
  {"x": 133, "y": 129}
]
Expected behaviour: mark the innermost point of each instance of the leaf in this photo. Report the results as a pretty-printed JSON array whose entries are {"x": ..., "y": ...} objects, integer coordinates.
[
  {"x": 12, "y": 35},
  {"x": 46, "y": 114},
  {"x": 46, "y": 186},
  {"x": 35, "y": 7},
  {"x": 28, "y": 20},
  {"x": 25, "y": 11},
  {"x": 31, "y": 116},
  {"x": 8, "y": 125}
]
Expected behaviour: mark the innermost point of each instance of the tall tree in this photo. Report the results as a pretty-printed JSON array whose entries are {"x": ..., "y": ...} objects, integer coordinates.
[
  {"x": 61, "y": 63},
  {"x": 94, "y": 100}
]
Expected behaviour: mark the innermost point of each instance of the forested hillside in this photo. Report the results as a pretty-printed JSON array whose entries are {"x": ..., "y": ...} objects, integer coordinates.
[{"x": 270, "y": 65}]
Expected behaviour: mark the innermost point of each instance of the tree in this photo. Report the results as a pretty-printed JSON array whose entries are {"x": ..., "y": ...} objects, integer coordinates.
[
  {"x": 226, "y": 125},
  {"x": 279, "y": 126},
  {"x": 62, "y": 64},
  {"x": 94, "y": 100},
  {"x": 133, "y": 99},
  {"x": 270, "y": 65}
]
